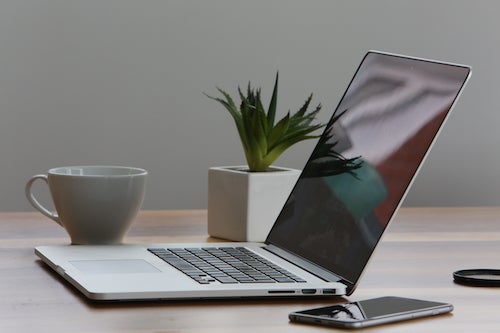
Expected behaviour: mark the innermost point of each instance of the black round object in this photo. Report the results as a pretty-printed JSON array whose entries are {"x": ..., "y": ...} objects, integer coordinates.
[{"x": 480, "y": 277}]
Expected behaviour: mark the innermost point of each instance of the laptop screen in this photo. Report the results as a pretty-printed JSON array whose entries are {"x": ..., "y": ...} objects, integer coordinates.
[{"x": 365, "y": 160}]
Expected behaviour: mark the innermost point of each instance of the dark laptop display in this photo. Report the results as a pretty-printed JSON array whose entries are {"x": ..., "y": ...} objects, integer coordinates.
[{"x": 365, "y": 161}]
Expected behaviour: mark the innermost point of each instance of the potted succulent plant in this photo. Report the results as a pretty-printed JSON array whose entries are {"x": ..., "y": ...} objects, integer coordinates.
[{"x": 244, "y": 201}]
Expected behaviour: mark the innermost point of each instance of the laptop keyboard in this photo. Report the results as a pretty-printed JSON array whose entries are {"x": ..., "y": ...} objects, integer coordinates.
[{"x": 225, "y": 265}]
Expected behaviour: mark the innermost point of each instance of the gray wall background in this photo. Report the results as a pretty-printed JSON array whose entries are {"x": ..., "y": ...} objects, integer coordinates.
[{"x": 120, "y": 82}]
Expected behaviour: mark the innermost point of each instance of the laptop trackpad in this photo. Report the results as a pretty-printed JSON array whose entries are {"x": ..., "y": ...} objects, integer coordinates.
[{"x": 119, "y": 266}]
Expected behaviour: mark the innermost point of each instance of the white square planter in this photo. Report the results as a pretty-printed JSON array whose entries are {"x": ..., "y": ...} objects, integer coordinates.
[{"x": 243, "y": 206}]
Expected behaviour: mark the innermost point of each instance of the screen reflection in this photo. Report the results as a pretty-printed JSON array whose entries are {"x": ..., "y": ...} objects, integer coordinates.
[{"x": 365, "y": 161}]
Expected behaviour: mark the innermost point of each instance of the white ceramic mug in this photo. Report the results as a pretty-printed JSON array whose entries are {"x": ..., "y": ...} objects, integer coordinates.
[{"x": 95, "y": 204}]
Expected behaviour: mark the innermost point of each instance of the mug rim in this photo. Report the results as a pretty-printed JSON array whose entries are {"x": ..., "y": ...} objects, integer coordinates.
[{"x": 132, "y": 171}]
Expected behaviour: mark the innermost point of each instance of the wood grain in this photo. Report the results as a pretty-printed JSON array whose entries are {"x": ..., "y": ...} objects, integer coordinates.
[{"x": 416, "y": 258}]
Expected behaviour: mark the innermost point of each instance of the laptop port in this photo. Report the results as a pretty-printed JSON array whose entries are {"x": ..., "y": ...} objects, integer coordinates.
[
  {"x": 329, "y": 292},
  {"x": 309, "y": 291},
  {"x": 281, "y": 292}
]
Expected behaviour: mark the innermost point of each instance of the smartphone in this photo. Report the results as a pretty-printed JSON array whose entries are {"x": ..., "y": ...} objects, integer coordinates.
[{"x": 370, "y": 312}]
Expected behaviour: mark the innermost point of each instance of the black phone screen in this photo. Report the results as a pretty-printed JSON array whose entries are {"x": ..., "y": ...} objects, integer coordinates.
[{"x": 387, "y": 309}]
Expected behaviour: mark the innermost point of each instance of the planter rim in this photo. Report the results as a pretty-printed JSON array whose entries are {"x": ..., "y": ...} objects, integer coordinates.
[{"x": 243, "y": 169}]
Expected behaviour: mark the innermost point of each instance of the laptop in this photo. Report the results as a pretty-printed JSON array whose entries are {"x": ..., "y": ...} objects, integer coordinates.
[{"x": 348, "y": 192}]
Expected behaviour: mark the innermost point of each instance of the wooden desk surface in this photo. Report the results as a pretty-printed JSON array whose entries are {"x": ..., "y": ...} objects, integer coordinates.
[{"x": 416, "y": 258}]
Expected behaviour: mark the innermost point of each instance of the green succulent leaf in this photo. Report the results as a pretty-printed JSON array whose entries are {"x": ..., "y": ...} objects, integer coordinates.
[
  {"x": 278, "y": 131},
  {"x": 263, "y": 141},
  {"x": 271, "y": 113}
]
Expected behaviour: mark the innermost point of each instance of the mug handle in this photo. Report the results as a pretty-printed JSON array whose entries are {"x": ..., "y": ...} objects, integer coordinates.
[{"x": 31, "y": 198}]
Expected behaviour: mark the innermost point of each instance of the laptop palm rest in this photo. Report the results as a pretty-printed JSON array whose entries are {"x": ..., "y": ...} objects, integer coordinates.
[{"x": 122, "y": 266}]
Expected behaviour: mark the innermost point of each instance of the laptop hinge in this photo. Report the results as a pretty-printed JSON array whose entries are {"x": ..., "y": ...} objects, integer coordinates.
[{"x": 304, "y": 264}]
